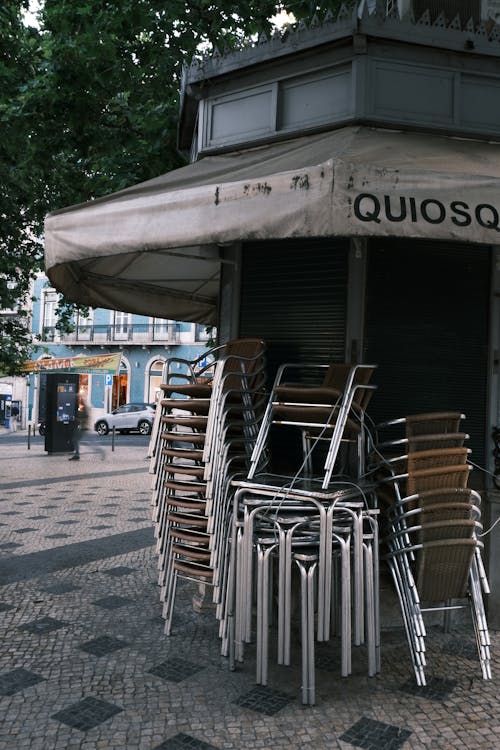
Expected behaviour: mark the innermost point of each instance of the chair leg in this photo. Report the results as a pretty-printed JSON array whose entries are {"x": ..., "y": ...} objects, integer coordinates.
[
  {"x": 262, "y": 638},
  {"x": 479, "y": 621},
  {"x": 307, "y": 566},
  {"x": 239, "y": 612},
  {"x": 168, "y": 609},
  {"x": 416, "y": 649},
  {"x": 370, "y": 612},
  {"x": 345, "y": 608}
]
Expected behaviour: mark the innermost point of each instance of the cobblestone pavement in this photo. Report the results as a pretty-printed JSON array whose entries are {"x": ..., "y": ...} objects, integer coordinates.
[{"x": 84, "y": 663}]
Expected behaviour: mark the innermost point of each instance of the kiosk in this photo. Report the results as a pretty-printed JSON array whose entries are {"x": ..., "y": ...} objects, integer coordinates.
[{"x": 60, "y": 409}]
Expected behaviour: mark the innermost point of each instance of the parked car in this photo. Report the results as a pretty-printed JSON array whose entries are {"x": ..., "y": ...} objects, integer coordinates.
[{"x": 126, "y": 418}]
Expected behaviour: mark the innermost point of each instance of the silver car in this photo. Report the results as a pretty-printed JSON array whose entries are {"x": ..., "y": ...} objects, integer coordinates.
[{"x": 134, "y": 416}]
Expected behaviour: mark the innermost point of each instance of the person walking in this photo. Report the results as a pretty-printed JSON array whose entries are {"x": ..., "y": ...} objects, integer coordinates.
[
  {"x": 14, "y": 418},
  {"x": 80, "y": 430},
  {"x": 80, "y": 426}
]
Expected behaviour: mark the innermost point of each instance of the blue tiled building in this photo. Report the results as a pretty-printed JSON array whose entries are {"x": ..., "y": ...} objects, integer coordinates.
[{"x": 145, "y": 344}]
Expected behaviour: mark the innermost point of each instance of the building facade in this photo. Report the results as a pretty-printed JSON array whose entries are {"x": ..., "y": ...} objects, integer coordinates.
[{"x": 145, "y": 344}]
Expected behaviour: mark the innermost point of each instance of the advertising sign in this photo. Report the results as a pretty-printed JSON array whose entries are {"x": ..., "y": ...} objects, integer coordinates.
[{"x": 100, "y": 363}]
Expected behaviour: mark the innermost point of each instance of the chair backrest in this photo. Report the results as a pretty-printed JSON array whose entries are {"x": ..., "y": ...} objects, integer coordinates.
[
  {"x": 420, "y": 530},
  {"x": 337, "y": 376},
  {"x": 318, "y": 403},
  {"x": 436, "y": 457},
  {"x": 241, "y": 358},
  {"x": 450, "y": 495},
  {"x": 442, "y": 569},
  {"x": 435, "y": 478},
  {"x": 427, "y": 423},
  {"x": 439, "y": 512},
  {"x": 448, "y": 528},
  {"x": 427, "y": 459},
  {"x": 436, "y": 507},
  {"x": 188, "y": 371},
  {"x": 323, "y": 412},
  {"x": 251, "y": 348},
  {"x": 436, "y": 440}
]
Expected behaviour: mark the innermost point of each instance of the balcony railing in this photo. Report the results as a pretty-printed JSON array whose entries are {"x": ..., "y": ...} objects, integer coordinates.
[{"x": 130, "y": 334}]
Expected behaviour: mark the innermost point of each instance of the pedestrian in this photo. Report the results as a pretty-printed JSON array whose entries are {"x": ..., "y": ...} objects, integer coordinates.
[
  {"x": 14, "y": 418},
  {"x": 81, "y": 424},
  {"x": 80, "y": 430}
]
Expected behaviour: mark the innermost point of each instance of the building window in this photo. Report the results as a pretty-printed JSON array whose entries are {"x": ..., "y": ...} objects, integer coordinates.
[
  {"x": 50, "y": 301},
  {"x": 205, "y": 333},
  {"x": 155, "y": 377},
  {"x": 119, "y": 391},
  {"x": 84, "y": 326},
  {"x": 161, "y": 329},
  {"x": 122, "y": 325}
]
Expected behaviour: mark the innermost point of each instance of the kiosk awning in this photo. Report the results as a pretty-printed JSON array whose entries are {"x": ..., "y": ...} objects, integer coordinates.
[{"x": 154, "y": 248}]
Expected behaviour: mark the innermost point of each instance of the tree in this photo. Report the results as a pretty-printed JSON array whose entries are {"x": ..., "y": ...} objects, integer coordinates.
[
  {"x": 89, "y": 105},
  {"x": 21, "y": 250}
]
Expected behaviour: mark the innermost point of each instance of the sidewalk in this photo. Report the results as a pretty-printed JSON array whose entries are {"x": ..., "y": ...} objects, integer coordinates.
[{"x": 84, "y": 663}]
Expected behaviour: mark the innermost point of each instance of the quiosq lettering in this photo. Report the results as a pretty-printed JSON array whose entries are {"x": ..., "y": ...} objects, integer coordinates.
[{"x": 371, "y": 208}]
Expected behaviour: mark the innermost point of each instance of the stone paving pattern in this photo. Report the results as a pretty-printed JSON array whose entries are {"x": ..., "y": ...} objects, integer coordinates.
[{"x": 84, "y": 663}]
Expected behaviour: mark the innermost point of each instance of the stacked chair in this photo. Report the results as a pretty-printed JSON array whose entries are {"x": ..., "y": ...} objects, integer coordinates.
[
  {"x": 332, "y": 412},
  {"x": 204, "y": 431},
  {"x": 323, "y": 526},
  {"x": 431, "y": 521}
]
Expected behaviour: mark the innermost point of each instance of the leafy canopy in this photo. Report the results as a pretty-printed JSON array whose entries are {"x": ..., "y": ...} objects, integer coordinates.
[{"x": 89, "y": 105}]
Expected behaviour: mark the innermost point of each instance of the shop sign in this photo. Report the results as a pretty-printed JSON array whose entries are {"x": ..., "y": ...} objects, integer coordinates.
[
  {"x": 371, "y": 208},
  {"x": 98, "y": 364}
]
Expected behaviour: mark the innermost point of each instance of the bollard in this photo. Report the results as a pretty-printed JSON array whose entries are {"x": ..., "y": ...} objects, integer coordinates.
[
  {"x": 113, "y": 439},
  {"x": 29, "y": 437}
]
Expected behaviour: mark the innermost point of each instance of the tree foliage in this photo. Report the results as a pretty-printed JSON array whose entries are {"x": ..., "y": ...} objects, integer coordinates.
[
  {"x": 89, "y": 105},
  {"x": 21, "y": 251}
]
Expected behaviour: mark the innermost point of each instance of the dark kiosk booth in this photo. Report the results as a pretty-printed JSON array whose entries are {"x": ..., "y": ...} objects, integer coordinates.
[{"x": 61, "y": 407}]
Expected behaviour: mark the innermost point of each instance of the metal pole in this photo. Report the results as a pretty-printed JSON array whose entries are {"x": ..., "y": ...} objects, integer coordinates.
[
  {"x": 29, "y": 437},
  {"x": 113, "y": 439}
]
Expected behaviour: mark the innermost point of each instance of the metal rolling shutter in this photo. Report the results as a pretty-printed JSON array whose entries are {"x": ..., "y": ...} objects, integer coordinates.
[
  {"x": 293, "y": 295},
  {"x": 427, "y": 328}
]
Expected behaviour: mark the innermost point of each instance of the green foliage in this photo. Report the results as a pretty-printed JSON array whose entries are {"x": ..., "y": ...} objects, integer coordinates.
[
  {"x": 88, "y": 106},
  {"x": 20, "y": 251}
]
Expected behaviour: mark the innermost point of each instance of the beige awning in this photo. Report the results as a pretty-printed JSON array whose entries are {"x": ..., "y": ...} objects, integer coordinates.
[{"x": 155, "y": 248}]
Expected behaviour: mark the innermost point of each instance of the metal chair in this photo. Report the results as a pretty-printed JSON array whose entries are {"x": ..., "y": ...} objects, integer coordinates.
[
  {"x": 334, "y": 523},
  {"x": 434, "y": 553},
  {"x": 201, "y": 429},
  {"x": 439, "y": 571},
  {"x": 319, "y": 413}
]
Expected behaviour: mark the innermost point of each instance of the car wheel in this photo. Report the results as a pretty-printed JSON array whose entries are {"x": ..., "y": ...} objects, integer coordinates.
[
  {"x": 144, "y": 427},
  {"x": 102, "y": 428}
]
